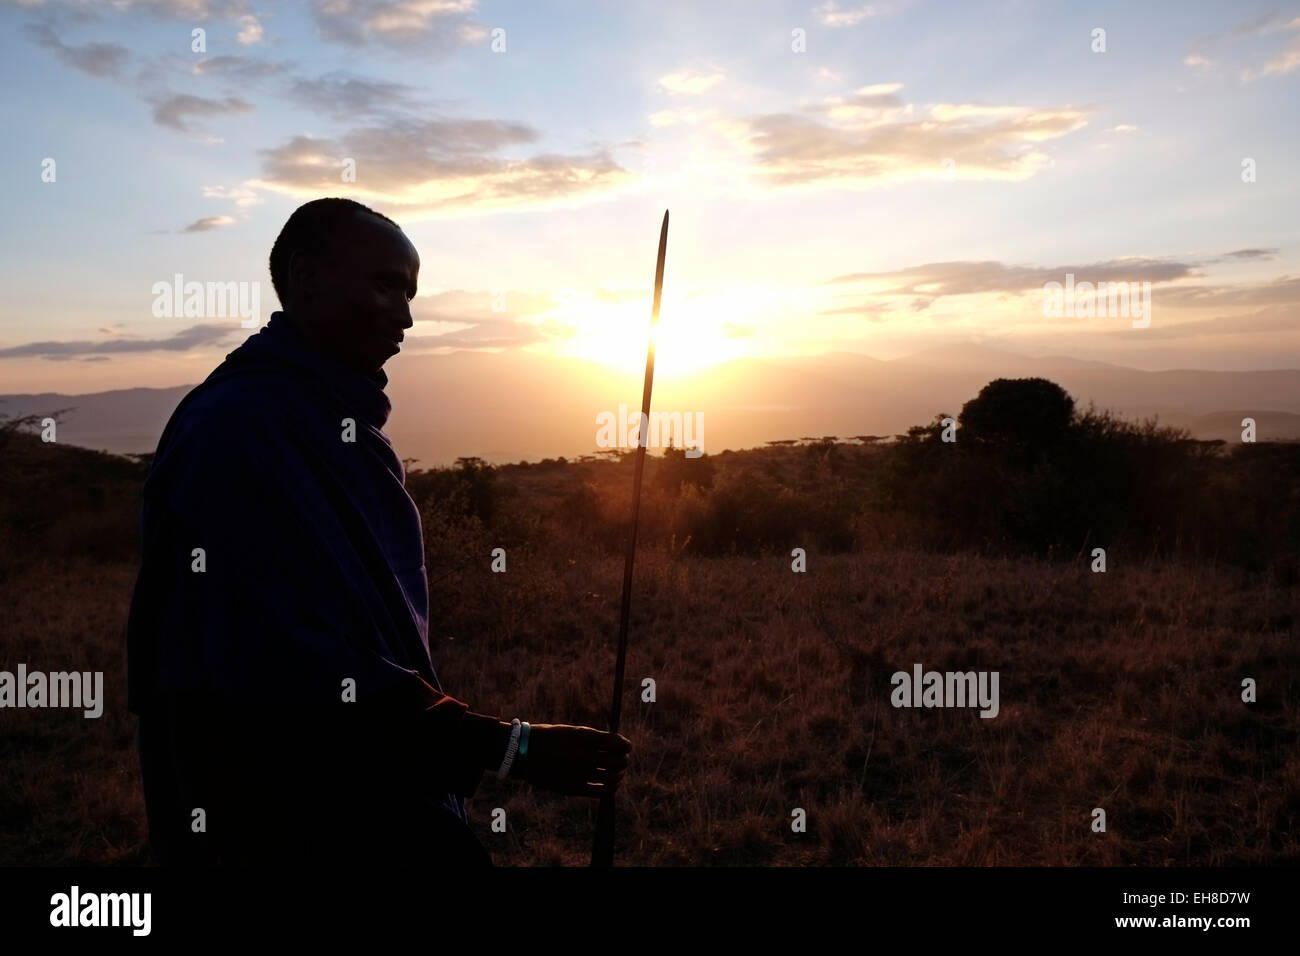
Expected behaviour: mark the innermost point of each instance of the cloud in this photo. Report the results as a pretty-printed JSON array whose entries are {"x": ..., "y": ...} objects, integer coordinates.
[
  {"x": 477, "y": 325},
  {"x": 250, "y": 30},
  {"x": 876, "y": 103},
  {"x": 690, "y": 82},
  {"x": 463, "y": 305},
  {"x": 174, "y": 111},
  {"x": 1270, "y": 321},
  {"x": 1252, "y": 254},
  {"x": 1122, "y": 128},
  {"x": 1264, "y": 24},
  {"x": 872, "y": 137},
  {"x": 208, "y": 223},
  {"x": 1286, "y": 61},
  {"x": 243, "y": 196},
  {"x": 182, "y": 341},
  {"x": 97, "y": 59},
  {"x": 830, "y": 15},
  {"x": 341, "y": 95},
  {"x": 489, "y": 334},
  {"x": 1273, "y": 302},
  {"x": 433, "y": 27},
  {"x": 429, "y": 167},
  {"x": 935, "y": 280},
  {"x": 430, "y": 28},
  {"x": 1284, "y": 290},
  {"x": 685, "y": 115},
  {"x": 1197, "y": 62},
  {"x": 237, "y": 67},
  {"x": 201, "y": 10}
]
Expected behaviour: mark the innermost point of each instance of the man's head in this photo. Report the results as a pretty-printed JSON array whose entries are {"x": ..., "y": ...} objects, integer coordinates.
[{"x": 345, "y": 275}]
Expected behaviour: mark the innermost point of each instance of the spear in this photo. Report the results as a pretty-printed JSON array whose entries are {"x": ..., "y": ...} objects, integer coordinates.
[{"x": 602, "y": 852}]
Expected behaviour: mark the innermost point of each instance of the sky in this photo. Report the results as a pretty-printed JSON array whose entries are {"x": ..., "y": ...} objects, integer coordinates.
[{"x": 873, "y": 178}]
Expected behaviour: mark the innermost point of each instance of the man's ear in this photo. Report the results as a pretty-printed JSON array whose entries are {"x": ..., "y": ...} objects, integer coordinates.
[{"x": 304, "y": 272}]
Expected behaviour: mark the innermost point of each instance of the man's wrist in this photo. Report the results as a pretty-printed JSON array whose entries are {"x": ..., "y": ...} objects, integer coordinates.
[
  {"x": 501, "y": 743},
  {"x": 487, "y": 738}
]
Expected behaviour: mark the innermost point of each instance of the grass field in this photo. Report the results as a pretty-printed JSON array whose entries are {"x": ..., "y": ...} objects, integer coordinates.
[{"x": 1119, "y": 690}]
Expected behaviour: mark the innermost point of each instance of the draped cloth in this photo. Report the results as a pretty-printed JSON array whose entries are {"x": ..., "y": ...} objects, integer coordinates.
[{"x": 277, "y": 645}]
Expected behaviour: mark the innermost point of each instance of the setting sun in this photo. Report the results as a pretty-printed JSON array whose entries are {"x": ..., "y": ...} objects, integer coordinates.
[{"x": 695, "y": 330}]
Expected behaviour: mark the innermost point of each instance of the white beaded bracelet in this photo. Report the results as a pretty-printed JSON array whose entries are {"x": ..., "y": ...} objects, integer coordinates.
[{"x": 511, "y": 750}]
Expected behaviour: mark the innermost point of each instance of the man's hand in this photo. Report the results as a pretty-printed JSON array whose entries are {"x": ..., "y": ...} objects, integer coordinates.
[{"x": 579, "y": 761}]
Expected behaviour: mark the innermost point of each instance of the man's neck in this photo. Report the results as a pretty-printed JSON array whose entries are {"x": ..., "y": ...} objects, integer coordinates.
[{"x": 307, "y": 333}]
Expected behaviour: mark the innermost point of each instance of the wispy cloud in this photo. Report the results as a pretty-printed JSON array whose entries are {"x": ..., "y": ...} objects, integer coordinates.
[
  {"x": 1264, "y": 24},
  {"x": 250, "y": 30},
  {"x": 242, "y": 196},
  {"x": 872, "y": 137},
  {"x": 1289, "y": 58},
  {"x": 435, "y": 27},
  {"x": 1285, "y": 61},
  {"x": 97, "y": 59},
  {"x": 439, "y": 166},
  {"x": 199, "y": 10},
  {"x": 1251, "y": 254},
  {"x": 1273, "y": 303},
  {"x": 1272, "y": 320},
  {"x": 193, "y": 337},
  {"x": 463, "y": 305},
  {"x": 235, "y": 66},
  {"x": 1281, "y": 291},
  {"x": 341, "y": 95},
  {"x": 176, "y": 110},
  {"x": 208, "y": 223},
  {"x": 925, "y": 284},
  {"x": 691, "y": 82},
  {"x": 829, "y": 14}
]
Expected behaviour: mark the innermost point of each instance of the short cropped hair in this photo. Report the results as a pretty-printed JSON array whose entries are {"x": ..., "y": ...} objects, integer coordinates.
[{"x": 312, "y": 227}]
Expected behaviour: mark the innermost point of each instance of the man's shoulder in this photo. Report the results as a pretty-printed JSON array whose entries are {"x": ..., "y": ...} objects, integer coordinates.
[
  {"x": 229, "y": 408},
  {"x": 226, "y": 425}
]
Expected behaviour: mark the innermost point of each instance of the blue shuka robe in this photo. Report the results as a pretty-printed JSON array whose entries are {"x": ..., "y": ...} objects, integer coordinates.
[{"x": 312, "y": 587}]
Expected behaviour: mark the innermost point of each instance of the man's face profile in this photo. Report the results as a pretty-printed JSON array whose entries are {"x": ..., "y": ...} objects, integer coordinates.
[{"x": 353, "y": 299}]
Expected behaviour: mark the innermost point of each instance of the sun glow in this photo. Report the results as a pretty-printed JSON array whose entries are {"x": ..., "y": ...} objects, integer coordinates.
[{"x": 695, "y": 331}]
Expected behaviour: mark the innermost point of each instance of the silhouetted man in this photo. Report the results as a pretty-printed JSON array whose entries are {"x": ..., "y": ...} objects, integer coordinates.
[{"x": 278, "y": 651}]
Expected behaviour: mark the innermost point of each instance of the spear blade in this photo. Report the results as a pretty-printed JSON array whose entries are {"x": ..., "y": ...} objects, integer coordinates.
[{"x": 602, "y": 853}]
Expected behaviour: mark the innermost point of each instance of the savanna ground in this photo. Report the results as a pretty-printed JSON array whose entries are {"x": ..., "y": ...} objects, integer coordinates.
[{"x": 1119, "y": 690}]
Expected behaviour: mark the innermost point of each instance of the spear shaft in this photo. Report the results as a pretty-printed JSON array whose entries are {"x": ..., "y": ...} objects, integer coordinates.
[{"x": 602, "y": 853}]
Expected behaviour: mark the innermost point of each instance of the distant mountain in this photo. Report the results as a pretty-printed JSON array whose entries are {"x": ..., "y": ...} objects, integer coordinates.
[
  {"x": 514, "y": 406},
  {"x": 120, "y": 421},
  {"x": 1226, "y": 426}
]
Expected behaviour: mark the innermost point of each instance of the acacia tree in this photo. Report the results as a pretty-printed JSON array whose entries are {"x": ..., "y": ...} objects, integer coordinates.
[{"x": 1020, "y": 416}]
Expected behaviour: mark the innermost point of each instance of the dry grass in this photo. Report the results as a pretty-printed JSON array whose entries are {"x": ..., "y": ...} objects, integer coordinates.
[{"x": 1118, "y": 690}]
